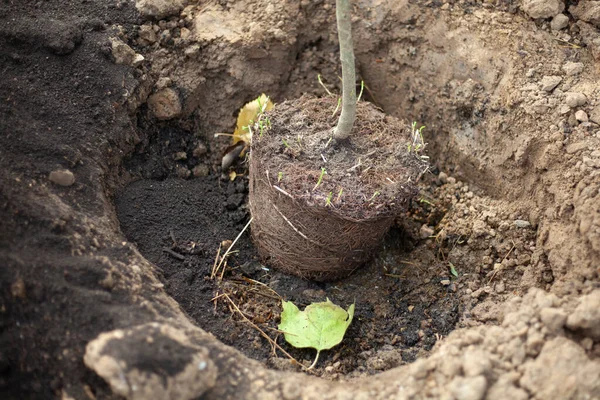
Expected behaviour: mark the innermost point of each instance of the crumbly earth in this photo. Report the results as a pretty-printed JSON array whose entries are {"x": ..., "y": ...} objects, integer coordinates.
[{"x": 113, "y": 205}]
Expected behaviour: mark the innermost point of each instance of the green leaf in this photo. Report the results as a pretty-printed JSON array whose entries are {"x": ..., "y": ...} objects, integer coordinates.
[
  {"x": 453, "y": 270},
  {"x": 320, "y": 326}
]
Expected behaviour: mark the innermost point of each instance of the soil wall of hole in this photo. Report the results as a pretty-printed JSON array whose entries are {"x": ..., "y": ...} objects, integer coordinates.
[{"x": 480, "y": 76}]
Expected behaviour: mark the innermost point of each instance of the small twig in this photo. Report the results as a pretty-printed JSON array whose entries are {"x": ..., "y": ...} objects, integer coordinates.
[
  {"x": 214, "y": 268},
  {"x": 173, "y": 237},
  {"x": 290, "y": 223},
  {"x": 232, "y": 244},
  {"x": 282, "y": 191},
  {"x": 505, "y": 257},
  {"x": 263, "y": 285},
  {"x": 324, "y": 87},
  {"x": 263, "y": 334},
  {"x": 178, "y": 256},
  {"x": 355, "y": 166},
  {"x": 573, "y": 46}
]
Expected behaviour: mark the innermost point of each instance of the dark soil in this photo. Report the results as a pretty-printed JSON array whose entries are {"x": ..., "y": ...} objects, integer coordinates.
[{"x": 60, "y": 107}]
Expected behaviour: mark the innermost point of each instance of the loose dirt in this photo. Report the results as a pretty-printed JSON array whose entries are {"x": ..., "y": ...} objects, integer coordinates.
[{"x": 487, "y": 287}]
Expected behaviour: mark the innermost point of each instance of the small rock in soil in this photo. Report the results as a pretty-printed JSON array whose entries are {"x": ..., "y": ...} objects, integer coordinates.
[
  {"x": 575, "y": 99},
  {"x": 123, "y": 54},
  {"x": 505, "y": 388},
  {"x": 519, "y": 223},
  {"x": 550, "y": 82},
  {"x": 468, "y": 388},
  {"x": 182, "y": 172},
  {"x": 581, "y": 116},
  {"x": 560, "y": 21},
  {"x": 200, "y": 150},
  {"x": 159, "y": 8},
  {"x": 62, "y": 177},
  {"x": 17, "y": 289},
  {"x": 180, "y": 155},
  {"x": 576, "y": 147},
  {"x": 553, "y": 318},
  {"x": 163, "y": 83},
  {"x": 385, "y": 359},
  {"x": 147, "y": 35},
  {"x": 476, "y": 362},
  {"x": 201, "y": 170},
  {"x": 443, "y": 177},
  {"x": 588, "y": 11},
  {"x": 586, "y": 317},
  {"x": 426, "y": 231},
  {"x": 165, "y": 104},
  {"x": 573, "y": 68},
  {"x": 542, "y": 8},
  {"x": 500, "y": 287},
  {"x": 595, "y": 115}
]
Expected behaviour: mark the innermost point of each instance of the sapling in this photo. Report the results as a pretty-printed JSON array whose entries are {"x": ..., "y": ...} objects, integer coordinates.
[{"x": 348, "y": 115}]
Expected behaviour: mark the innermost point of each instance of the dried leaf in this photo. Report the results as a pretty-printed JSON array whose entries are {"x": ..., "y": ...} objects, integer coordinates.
[{"x": 248, "y": 115}]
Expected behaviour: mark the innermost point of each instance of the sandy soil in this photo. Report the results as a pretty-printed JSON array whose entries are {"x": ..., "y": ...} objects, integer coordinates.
[{"x": 113, "y": 204}]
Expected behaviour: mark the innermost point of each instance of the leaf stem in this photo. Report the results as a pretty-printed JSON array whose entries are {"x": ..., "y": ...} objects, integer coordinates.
[{"x": 314, "y": 362}]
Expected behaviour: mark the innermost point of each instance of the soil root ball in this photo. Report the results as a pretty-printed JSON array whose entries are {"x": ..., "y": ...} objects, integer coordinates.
[{"x": 321, "y": 208}]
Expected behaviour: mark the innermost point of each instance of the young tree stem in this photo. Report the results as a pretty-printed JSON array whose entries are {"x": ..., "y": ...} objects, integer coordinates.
[{"x": 348, "y": 115}]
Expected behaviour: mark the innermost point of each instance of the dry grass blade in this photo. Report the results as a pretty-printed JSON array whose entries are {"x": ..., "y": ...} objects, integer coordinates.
[
  {"x": 262, "y": 333},
  {"x": 215, "y": 271},
  {"x": 499, "y": 269}
]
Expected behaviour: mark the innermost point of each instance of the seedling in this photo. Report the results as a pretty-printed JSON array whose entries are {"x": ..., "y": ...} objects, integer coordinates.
[
  {"x": 426, "y": 201},
  {"x": 339, "y": 196},
  {"x": 374, "y": 195},
  {"x": 328, "y": 199},
  {"x": 418, "y": 143},
  {"x": 263, "y": 123},
  {"x": 285, "y": 143},
  {"x": 323, "y": 172},
  {"x": 362, "y": 86},
  {"x": 452, "y": 269},
  {"x": 324, "y": 87},
  {"x": 279, "y": 176},
  {"x": 339, "y": 103}
]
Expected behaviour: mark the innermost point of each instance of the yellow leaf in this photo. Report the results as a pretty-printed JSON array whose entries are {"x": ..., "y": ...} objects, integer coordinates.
[
  {"x": 248, "y": 115},
  {"x": 232, "y": 176}
]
